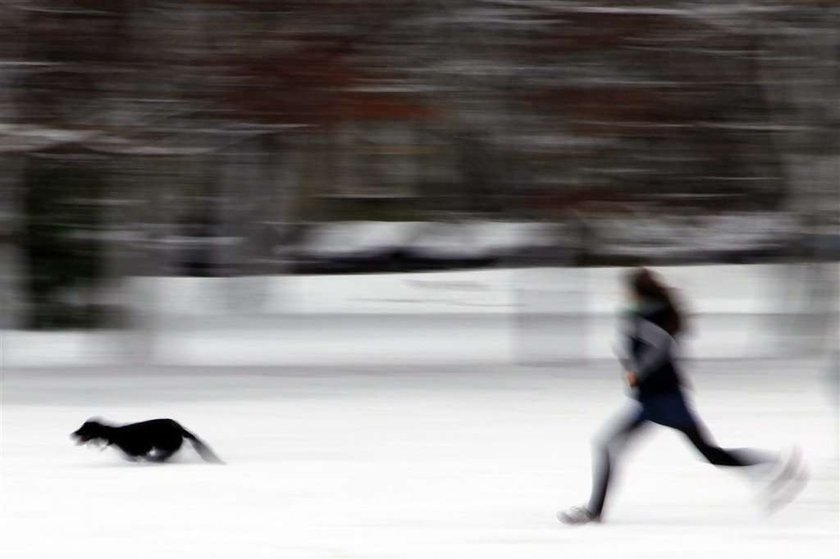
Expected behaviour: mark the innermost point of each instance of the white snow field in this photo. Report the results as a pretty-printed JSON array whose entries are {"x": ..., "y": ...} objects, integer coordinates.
[{"x": 425, "y": 462}]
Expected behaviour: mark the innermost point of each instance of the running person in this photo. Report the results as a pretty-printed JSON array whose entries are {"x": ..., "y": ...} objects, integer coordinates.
[{"x": 650, "y": 334}]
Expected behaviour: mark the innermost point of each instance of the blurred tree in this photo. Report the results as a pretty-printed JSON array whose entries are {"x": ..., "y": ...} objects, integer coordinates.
[{"x": 266, "y": 113}]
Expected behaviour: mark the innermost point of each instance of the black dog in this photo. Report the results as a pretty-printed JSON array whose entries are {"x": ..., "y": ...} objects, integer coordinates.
[{"x": 156, "y": 440}]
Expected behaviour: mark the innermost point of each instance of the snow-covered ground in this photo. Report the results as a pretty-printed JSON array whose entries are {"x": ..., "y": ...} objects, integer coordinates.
[
  {"x": 381, "y": 416},
  {"x": 404, "y": 462}
]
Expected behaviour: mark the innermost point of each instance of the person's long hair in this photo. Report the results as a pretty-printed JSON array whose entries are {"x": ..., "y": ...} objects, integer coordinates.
[{"x": 649, "y": 288}]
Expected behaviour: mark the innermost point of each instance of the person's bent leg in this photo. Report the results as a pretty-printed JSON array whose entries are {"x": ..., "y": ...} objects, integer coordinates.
[{"x": 718, "y": 456}]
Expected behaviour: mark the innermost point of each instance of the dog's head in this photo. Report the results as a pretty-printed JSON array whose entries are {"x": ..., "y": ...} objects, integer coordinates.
[{"x": 91, "y": 430}]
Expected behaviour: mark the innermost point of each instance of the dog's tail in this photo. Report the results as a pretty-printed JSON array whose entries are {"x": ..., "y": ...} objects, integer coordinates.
[{"x": 201, "y": 448}]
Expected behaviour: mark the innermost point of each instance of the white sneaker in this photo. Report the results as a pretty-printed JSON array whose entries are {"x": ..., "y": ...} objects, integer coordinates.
[
  {"x": 577, "y": 515},
  {"x": 787, "y": 481}
]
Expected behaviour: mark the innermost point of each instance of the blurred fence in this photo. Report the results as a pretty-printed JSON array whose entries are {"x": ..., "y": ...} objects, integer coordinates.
[{"x": 524, "y": 315}]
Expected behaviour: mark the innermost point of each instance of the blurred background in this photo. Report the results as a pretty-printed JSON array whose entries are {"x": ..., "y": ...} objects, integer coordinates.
[
  {"x": 371, "y": 251},
  {"x": 215, "y": 169}
]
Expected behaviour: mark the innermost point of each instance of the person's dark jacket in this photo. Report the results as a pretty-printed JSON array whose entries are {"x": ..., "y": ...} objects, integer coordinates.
[{"x": 650, "y": 352}]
